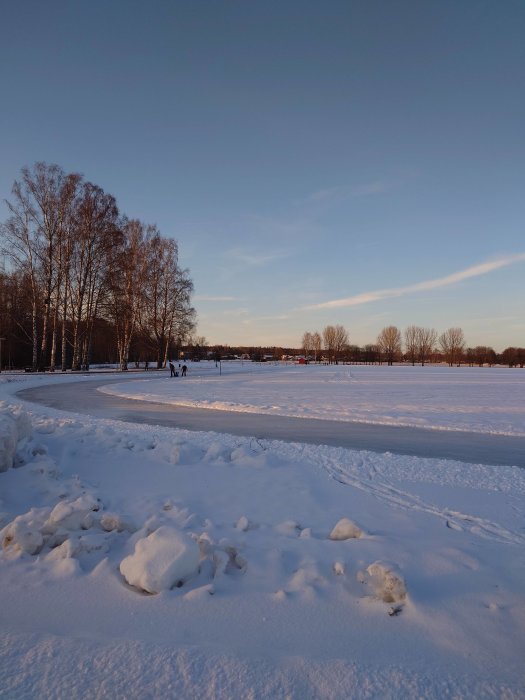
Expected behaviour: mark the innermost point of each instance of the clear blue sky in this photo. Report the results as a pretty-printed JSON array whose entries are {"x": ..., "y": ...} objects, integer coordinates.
[{"x": 301, "y": 152}]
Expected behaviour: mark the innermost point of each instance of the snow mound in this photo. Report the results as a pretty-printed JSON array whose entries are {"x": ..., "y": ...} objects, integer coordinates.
[
  {"x": 74, "y": 514},
  {"x": 161, "y": 560},
  {"x": 15, "y": 425},
  {"x": 24, "y": 534},
  {"x": 387, "y": 583},
  {"x": 345, "y": 529}
]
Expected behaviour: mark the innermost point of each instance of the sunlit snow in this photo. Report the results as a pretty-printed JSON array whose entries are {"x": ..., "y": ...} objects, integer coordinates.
[
  {"x": 142, "y": 561},
  {"x": 465, "y": 398}
]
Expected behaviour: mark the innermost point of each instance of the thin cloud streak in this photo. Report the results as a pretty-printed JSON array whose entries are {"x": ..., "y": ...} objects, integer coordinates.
[
  {"x": 204, "y": 297},
  {"x": 340, "y": 192},
  {"x": 368, "y": 297},
  {"x": 255, "y": 259}
]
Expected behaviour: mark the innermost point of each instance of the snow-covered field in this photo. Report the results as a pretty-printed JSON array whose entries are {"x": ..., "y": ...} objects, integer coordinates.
[
  {"x": 456, "y": 398},
  {"x": 146, "y": 562}
]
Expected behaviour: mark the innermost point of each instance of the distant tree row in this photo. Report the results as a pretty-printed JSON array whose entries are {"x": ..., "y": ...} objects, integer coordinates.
[
  {"x": 198, "y": 348},
  {"x": 415, "y": 345},
  {"x": 420, "y": 344},
  {"x": 333, "y": 342},
  {"x": 80, "y": 273}
]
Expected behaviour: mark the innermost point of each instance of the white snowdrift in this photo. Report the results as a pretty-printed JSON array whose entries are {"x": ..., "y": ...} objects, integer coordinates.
[
  {"x": 62, "y": 528},
  {"x": 161, "y": 560},
  {"x": 15, "y": 425},
  {"x": 24, "y": 533},
  {"x": 72, "y": 515}
]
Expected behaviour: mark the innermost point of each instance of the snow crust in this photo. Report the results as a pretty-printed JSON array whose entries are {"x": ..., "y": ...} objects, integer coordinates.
[{"x": 253, "y": 597}]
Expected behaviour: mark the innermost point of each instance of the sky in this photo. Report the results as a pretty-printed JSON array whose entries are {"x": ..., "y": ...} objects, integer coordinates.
[{"x": 358, "y": 163}]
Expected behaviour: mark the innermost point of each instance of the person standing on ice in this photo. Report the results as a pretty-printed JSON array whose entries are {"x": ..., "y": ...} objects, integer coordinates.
[
  {"x": 172, "y": 369},
  {"x": 184, "y": 370}
]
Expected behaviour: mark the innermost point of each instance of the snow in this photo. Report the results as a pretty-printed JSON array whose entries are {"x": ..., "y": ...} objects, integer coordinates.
[
  {"x": 163, "y": 559},
  {"x": 141, "y": 561},
  {"x": 385, "y": 581},
  {"x": 345, "y": 529},
  {"x": 487, "y": 400},
  {"x": 14, "y": 426}
]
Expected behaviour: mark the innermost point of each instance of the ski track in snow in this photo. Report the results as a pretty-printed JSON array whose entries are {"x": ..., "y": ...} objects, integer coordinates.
[{"x": 393, "y": 496}]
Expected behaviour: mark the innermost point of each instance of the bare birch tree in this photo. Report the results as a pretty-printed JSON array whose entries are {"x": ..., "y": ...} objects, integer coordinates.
[
  {"x": 127, "y": 278},
  {"x": 20, "y": 244},
  {"x": 167, "y": 292},
  {"x": 79, "y": 266},
  {"x": 96, "y": 234}
]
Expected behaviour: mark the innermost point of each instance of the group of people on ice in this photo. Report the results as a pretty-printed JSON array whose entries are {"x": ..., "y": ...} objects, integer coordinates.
[{"x": 175, "y": 373}]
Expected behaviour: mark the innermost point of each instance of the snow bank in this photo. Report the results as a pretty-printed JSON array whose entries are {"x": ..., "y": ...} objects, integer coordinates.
[
  {"x": 15, "y": 425},
  {"x": 161, "y": 560},
  {"x": 60, "y": 532}
]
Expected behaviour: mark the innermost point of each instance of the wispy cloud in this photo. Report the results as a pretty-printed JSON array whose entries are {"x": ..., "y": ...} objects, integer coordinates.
[
  {"x": 278, "y": 317},
  {"x": 236, "y": 313},
  {"x": 204, "y": 297},
  {"x": 255, "y": 258},
  {"x": 368, "y": 297}
]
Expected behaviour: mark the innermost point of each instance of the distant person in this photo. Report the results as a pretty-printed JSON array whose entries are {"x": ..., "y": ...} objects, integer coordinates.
[
  {"x": 184, "y": 370},
  {"x": 172, "y": 370},
  {"x": 146, "y": 365}
]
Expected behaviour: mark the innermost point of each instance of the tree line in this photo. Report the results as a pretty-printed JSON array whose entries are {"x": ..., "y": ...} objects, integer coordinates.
[
  {"x": 416, "y": 345},
  {"x": 79, "y": 276}
]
